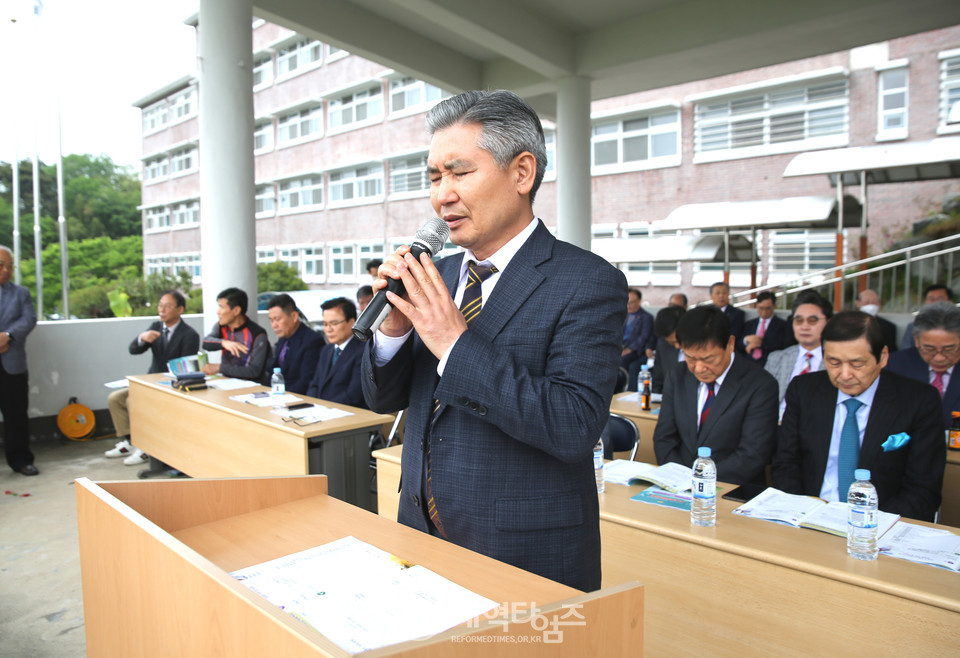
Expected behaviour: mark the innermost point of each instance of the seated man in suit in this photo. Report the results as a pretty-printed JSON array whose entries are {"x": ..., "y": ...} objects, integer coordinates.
[
  {"x": 933, "y": 360},
  {"x": 638, "y": 337},
  {"x": 847, "y": 417},
  {"x": 298, "y": 346},
  {"x": 809, "y": 317},
  {"x": 246, "y": 348},
  {"x": 669, "y": 353},
  {"x": 167, "y": 338},
  {"x": 721, "y": 400},
  {"x": 720, "y": 296},
  {"x": 679, "y": 299},
  {"x": 765, "y": 333},
  {"x": 935, "y": 292},
  {"x": 337, "y": 378},
  {"x": 868, "y": 301}
]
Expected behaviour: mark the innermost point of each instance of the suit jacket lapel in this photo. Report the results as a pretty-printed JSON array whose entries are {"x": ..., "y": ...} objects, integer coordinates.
[
  {"x": 880, "y": 420},
  {"x": 688, "y": 398},
  {"x": 723, "y": 398}
]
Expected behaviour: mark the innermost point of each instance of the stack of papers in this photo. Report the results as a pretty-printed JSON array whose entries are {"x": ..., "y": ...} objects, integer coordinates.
[
  {"x": 266, "y": 399},
  {"x": 229, "y": 383},
  {"x": 361, "y": 597},
  {"x": 807, "y": 512},
  {"x": 315, "y": 413},
  {"x": 670, "y": 476},
  {"x": 917, "y": 543}
]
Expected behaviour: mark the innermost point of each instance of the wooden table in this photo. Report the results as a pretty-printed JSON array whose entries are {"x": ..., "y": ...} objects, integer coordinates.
[
  {"x": 754, "y": 587},
  {"x": 157, "y": 555},
  {"x": 206, "y": 434}
]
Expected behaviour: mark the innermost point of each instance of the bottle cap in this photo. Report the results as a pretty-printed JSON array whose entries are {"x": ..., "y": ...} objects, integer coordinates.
[
  {"x": 277, "y": 369},
  {"x": 704, "y": 451},
  {"x": 955, "y": 414},
  {"x": 862, "y": 474},
  {"x": 646, "y": 367}
]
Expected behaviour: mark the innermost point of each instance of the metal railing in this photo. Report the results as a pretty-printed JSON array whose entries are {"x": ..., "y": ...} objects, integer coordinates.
[{"x": 912, "y": 269}]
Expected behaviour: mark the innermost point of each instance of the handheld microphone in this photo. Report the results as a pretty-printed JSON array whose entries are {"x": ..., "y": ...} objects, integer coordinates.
[{"x": 430, "y": 239}]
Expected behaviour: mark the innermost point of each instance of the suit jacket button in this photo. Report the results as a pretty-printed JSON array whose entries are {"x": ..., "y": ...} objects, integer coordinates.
[
  {"x": 482, "y": 410},
  {"x": 463, "y": 400},
  {"x": 416, "y": 501},
  {"x": 473, "y": 405}
]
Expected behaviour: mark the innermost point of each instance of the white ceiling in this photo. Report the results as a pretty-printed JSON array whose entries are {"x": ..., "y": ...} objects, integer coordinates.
[{"x": 622, "y": 46}]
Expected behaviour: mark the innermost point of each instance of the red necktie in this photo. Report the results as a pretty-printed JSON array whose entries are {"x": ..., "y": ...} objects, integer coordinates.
[
  {"x": 707, "y": 404},
  {"x": 938, "y": 382},
  {"x": 761, "y": 330},
  {"x": 806, "y": 367}
]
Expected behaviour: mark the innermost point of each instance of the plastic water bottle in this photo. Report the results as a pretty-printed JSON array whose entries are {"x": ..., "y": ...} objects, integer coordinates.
[
  {"x": 862, "y": 517},
  {"x": 277, "y": 385},
  {"x": 598, "y": 464},
  {"x": 703, "y": 508},
  {"x": 645, "y": 390}
]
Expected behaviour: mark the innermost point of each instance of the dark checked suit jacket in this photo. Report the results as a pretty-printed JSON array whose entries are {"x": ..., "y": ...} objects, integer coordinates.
[
  {"x": 184, "y": 341},
  {"x": 524, "y": 396},
  {"x": 741, "y": 428},
  {"x": 908, "y": 480}
]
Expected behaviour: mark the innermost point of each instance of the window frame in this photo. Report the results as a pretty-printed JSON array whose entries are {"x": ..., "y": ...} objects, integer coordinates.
[
  {"x": 361, "y": 97},
  {"x": 316, "y": 182},
  {"x": 883, "y": 93},
  {"x": 620, "y": 135},
  {"x": 358, "y": 180}
]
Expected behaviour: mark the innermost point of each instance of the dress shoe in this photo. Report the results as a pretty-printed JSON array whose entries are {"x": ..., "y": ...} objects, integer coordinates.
[{"x": 29, "y": 469}]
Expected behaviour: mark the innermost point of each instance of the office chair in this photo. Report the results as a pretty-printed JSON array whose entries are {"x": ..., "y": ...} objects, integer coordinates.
[
  {"x": 623, "y": 379},
  {"x": 620, "y": 435}
]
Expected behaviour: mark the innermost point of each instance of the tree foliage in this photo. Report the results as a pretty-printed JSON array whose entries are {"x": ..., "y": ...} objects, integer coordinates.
[{"x": 278, "y": 276}]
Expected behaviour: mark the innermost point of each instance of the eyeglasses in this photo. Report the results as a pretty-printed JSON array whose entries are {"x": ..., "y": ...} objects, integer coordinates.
[
  {"x": 947, "y": 351},
  {"x": 811, "y": 320}
]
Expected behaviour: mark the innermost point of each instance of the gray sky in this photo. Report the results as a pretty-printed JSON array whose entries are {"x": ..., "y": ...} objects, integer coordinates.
[{"x": 99, "y": 56}]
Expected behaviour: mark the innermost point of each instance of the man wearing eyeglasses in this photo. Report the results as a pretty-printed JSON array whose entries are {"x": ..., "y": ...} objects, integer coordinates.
[
  {"x": 936, "y": 331},
  {"x": 337, "y": 378},
  {"x": 721, "y": 400}
]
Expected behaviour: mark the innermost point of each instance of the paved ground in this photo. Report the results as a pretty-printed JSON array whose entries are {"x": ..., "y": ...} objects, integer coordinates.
[{"x": 41, "y": 604}]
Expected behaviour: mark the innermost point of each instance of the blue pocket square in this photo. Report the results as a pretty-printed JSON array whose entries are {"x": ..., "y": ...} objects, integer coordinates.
[{"x": 896, "y": 441}]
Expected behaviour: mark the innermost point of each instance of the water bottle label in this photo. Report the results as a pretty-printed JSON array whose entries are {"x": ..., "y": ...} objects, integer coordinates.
[
  {"x": 598, "y": 460},
  {"x": 861, "y": 518},
  {"x": 704, "y": 489}
]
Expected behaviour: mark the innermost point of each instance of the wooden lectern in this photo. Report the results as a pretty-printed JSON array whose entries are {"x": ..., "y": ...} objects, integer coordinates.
[{"x": 156, "y": 555}]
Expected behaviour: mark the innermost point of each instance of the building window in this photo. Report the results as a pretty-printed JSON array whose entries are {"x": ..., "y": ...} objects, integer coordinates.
[
  {"x": 299, "y": 125},
  {"x": 776, "y": 121},
  {"x": 183, "y": 161},
  {"x": 409, "y": 175},
  {"x": 341, "y": 261},
  {"x": 155, "y": 117},
  {"x": 262, "y": 71},
  {"x": 266, "y": 256},
  {"x": 186, "y": 214},
  {"x": 157, "y": 265},
  {"x": 362, "y": 183},
  {"x": 550, "y": 141},
  {"x": 409, "y": 94},
  {"x": 301, "y": 193},
  {"x": 265, "y": 201},
  {"x": 183, "y": 105},
  {"x": 335, "y": 53},
  {"x": 263, "y": 137},
  {"x": 189, "y": 263},
  {"x": 291, "y": 258},
  {"x": 950, "y": 92},
  {"x": 298, "y": 56},
  {"x": 642, "y": 140},
  {"x": 797, "y": 251},
  {"x": 155, "y": 169},
  {"x": 361, "y": 107},
  {"x": 157, "y": 218},
  {"x": 312, "y": 263},
  {"x": 368, "y": 252},
  {"x": 892, "y": 103}
]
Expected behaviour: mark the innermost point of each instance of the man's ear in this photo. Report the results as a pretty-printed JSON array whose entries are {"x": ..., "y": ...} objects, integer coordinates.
[{"x": 524, "y": 167}]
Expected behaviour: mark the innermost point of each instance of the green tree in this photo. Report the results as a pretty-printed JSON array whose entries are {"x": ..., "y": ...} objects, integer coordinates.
[{"x": 278, "y": 276}]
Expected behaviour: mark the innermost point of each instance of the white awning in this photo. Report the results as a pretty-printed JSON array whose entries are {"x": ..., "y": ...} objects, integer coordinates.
[
  {"x": 884, "y": 163},
  {"x": 672, "y": 248},
  {"x": 797, "y": 212}
]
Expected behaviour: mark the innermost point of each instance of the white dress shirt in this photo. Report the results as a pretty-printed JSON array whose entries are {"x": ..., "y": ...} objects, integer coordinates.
[
  {"x": 829, "y": 489},
  {"x": 703, "y": 391}
]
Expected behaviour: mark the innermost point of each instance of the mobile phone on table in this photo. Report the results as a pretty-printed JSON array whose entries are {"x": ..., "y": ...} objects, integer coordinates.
[
  {"x": 744, "y": 492},
  {"x": 301, "y": 405}
]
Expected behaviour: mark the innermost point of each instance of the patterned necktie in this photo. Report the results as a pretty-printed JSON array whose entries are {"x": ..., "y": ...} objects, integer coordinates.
[
  {"x": 938, "y": 382},
  {"x": 470, "y": 306},
  {"x": 336, "y": 354},
  {"x": 849, "y": 453},
  {"x": 761, "y": 330},
  {"x": 806, "y": 365},
  {"x": 283, "y": 352},
  {"x": 707, "y": 404},
  {"x": 165, "y": 337}
]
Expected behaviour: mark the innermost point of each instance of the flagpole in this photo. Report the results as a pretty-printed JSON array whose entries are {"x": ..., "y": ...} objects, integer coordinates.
[{"x": 62, "y": 221}]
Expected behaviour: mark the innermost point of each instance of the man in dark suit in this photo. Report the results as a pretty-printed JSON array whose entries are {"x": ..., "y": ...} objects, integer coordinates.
[
  {"x": 669, "y": 354},
  {"x": 298, "y": 346},
  {"x": 720, "y": 296},
  {"x": 167, "y": 338},
  {"x": 337, "y": 377},
  {"x": 765, "y": 333},
  {"x": 868, "y": 301},
  {"x": 935, "y": 292},
  {"x": 721, "y": 400},
  {"x": 17, "y": 320},
  {"x": 637, "y": 336},
  {"x": 934, "y": 359},
  {"x": 857, "y": 415},
  {"x": 508, "y": 395}
]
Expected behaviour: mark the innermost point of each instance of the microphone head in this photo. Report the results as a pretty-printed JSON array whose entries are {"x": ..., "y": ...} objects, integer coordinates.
[{"x": 433, "y": 234}]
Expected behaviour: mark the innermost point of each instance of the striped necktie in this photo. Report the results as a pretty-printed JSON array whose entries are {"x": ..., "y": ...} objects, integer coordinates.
[
  {"x": 470, "y": 306},
  {"x": 706, "y": 404},
  {"x": 938, "y": 382},
  {"x": 806, "y": 365}
]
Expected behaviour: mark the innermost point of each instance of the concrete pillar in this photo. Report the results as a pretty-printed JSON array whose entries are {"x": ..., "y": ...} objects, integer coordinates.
[
  {"x": 227, "y": 225},
  {"x": 573, "y": 161}
]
